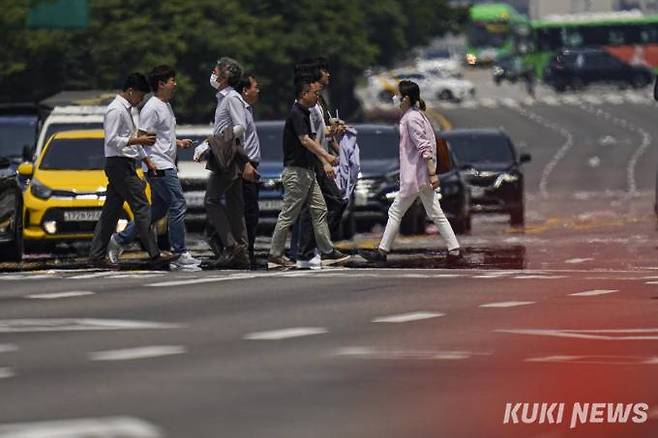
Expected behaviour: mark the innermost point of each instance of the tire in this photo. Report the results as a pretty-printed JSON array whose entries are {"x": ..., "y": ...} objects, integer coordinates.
[
  {"x": 517, "y": 217},
  {"x": 13, "y": 251},
  {"x": 445, "y": 95},
  {"x": 577, "y": 84},
  {"x": 639, "y": 81}
]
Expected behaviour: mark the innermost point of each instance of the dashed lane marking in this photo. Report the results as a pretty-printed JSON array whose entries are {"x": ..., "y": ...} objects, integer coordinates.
[
  {"x": 505, "y": 304},
  {"x": 539, "y": 277},
  {"x": 408, "y": 317},
  {"x": 109, "y": 427},
  {"x": 641, "y": 334},
  {"x": 592, "y": 293},
  {"x": 56, "y": 295},
  {"x": 137, "y": 353},
  {"x": 78, "y": 324},
  {"x": 6, "y": 373},
  {"x": 578, "y": 260},
  {"x": 8, "y": 348},
  {"x": 373, "y": 353},
  {"x": 277, "y": 335}
]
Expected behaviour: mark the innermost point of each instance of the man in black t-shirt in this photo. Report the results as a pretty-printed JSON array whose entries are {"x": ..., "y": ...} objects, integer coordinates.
[{"x": 299, "y": 182}]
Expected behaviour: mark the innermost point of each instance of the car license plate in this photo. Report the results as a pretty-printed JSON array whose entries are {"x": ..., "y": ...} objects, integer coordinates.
[
  {"x": 82, "y": 215},
  {"x": 195, "y": 199},
  {"x": 269, "y": 205},
  {"x": 477, "y": 192}
]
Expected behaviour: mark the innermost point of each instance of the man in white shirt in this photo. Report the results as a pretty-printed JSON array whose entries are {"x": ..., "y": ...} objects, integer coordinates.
[
  {"x": 123, "y": 152},
  {"x": 157, "y": 117}
]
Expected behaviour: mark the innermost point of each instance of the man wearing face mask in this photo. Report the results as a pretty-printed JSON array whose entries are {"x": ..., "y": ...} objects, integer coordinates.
[
  {"x": 123, "y": 152},
  {"x": 228, "y": 219}
]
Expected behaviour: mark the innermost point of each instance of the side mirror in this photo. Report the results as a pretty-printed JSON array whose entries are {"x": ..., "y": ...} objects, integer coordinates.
[
  {"x": 27, "y": 153},
  {"x": 525, "y": 157},
  {"x": 26, "y": 169}
]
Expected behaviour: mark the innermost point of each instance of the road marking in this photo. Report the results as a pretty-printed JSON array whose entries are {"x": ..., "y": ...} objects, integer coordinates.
[
  {"x": 53, "y": 296},
  {"x": 577, "y": 261},
  {"x": 276, "y": 335},
  {"x": 595, "y": 292},
  {"x": 408, "y": 317},
  {"x": 92, "y": 275},
  {"x": 553, "y": 359},
  {"x": 138, "y": 353},
  {"x": 505, "y": 304},
  {"x": 602, "y": 335},
  {"x": 132, "y": 276},
  {"x": 651, "y": 282},
  {"x": 373, "y": 353},
  {"x": 79, "y": 324},
  {"x": 109, "y": 427},
  {"x": 212, "y": 279},
  {"x": 539, "y": 277},
  {"x": 488, "y": 102},
  {"x": 8, "y": 348},
  {"x": 6, "y": 373}
]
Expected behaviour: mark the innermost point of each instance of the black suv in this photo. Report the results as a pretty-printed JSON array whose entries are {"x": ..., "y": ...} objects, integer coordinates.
[
  {"x": 19, "y": 126},
  {"x": 379, "y": 183},
  {"x": 492, "y": 167},
  {"x": 576, "y": 68}
]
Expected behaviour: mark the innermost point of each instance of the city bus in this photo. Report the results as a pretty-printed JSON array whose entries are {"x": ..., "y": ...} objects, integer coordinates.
[
  {"x": 630, "y": 36},
  {"x": 490, "y": 32}
]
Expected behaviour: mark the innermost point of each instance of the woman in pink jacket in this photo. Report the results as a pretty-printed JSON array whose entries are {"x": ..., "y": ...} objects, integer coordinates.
[{"x": 418, "y": 176}]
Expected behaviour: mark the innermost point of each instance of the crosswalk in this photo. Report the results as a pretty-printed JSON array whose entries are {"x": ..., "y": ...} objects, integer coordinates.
[{"x": 607, "y": 98}]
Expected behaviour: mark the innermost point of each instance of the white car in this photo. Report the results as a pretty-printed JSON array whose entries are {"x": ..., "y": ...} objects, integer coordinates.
[
  {"x": 436, "y": 85},
  {"x": 193, "y": 176},
  {"x": 67, "y": 118},
  {"x": 440, "y": 59}
]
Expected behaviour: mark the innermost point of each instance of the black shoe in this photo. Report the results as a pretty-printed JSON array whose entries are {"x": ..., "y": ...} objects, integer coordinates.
[
  {"x": 455, "y": 258},
  {"x": 234, "y": 258},
  {"x": 102, "y": 264},
  {"x": 162, "y": 260},
  {"x": 373, "y": 255},
  {"x": 334, "y": 257}
]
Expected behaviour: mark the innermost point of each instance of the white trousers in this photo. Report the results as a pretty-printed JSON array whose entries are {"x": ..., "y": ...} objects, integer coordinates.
[{"x": 432, "y": 206}]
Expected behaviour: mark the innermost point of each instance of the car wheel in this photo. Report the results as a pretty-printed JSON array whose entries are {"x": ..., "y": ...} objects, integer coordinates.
[
  {"x": 577, "y": 84},
  {"x": 517, "y": 217},
  {"x": 13, "y": 251},
  {"x": 445, "y": 95},
  {"x": 639, "y": 81}
]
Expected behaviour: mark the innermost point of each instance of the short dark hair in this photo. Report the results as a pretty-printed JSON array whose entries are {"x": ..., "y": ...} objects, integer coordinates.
[
  {"x": 136, "y": 81},
  {"x": 319, "y": 62},
  {"x": 161, "y": 73},
  {"x": 302, "y": 85},
  {"x": 308, "y": 70},
  {"x": 245, "y": 81}
]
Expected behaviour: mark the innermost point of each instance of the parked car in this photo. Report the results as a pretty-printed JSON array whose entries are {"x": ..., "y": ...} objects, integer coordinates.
[
  {"x": 69, "y": 118},
  {"x": 577, "y": 68},
  {"x": 492, "y": 167},
  {"x": 442, "y": 59},
  {"x": 378, "y": 185},
  {"x": 193, "y": 176},
  {"x": 66, "y": 190},
  {"x": 508, "y": 68},
  {"x": 436, "y": 85},
  {"x": 19, "y": 125}
]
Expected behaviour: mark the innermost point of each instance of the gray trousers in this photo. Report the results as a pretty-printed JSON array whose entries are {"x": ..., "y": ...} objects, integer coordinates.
[
  {"x": 123, "y": 186},
  {"x": 227, "y": 220},
  {"x": 300, "y": 188}
]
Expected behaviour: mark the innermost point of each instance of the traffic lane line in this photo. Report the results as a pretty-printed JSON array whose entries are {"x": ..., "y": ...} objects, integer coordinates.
[
  {"x": 592, "y": 293},
  {"x": 125, "y": 427},
  {"x": 287, "y": 333},
  {"x": 408, "y": 317},
  {"x": 506, "y": 304},
  {"x": 147, "y": 352},
  {"x": 57, "y": 295}
]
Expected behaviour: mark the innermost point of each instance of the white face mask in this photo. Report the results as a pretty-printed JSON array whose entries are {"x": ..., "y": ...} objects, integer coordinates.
[
  {"x": 213, "y": 81},
  {"x": 396, "y": 100}
]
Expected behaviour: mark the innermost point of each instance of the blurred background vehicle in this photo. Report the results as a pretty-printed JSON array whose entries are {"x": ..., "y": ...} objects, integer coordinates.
[
  {"x": 578, "y": 68},
  {"x": 443, "y": 59},
  {"x": 193, "y": 176},
  {"x": 491, "y": 166},
  {"x": 436, "y": 85},
  {"x": 490, "y": 32}
]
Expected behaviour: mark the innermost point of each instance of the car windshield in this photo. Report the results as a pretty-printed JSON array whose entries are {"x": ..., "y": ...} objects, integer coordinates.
[
  {"x": 54, "y": 128},
  {"x": 15, "y": 133},
  {"x": 271, "y": 142},
  {"x": 74, "y": 154},
  {"x": 378, "y": 144},
  {"x": 438, "y": 54},
  {"x": 481, "y": 148}
]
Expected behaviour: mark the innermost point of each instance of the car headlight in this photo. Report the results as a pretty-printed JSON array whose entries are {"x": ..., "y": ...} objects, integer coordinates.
[
  {"x": 505, "y": 177},
  {"x": 39, "y": 190}
]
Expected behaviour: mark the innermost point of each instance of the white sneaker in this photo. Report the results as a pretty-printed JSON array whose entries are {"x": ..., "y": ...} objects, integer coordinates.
[
  {"x": 114, "y": 249},
  {"x": 186, "y": 259},
  {"x": 184, "y": 268}
]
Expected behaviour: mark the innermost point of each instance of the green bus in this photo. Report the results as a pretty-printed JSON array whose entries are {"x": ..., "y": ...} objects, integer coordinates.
[
  {"x": 490, "y": 32},
  {"x": 630, "y": 36}
]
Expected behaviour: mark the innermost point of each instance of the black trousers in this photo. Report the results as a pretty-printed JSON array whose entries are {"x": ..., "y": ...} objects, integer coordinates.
[
  {"x": 335, "y": 208},
  {"x": 250, "y": 193},
  {"x": 123, "y": 186}
]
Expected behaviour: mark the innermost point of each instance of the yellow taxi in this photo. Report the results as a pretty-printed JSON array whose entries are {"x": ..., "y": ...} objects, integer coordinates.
[{"x": 66, "y": 190}]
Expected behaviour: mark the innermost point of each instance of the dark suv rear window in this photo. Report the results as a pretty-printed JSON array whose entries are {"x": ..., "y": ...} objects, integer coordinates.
[{"x": 481, "y": 148}]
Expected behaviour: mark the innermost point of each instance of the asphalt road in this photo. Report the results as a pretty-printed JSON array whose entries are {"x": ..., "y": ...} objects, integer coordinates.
[{"x": 562, "y": 311}]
